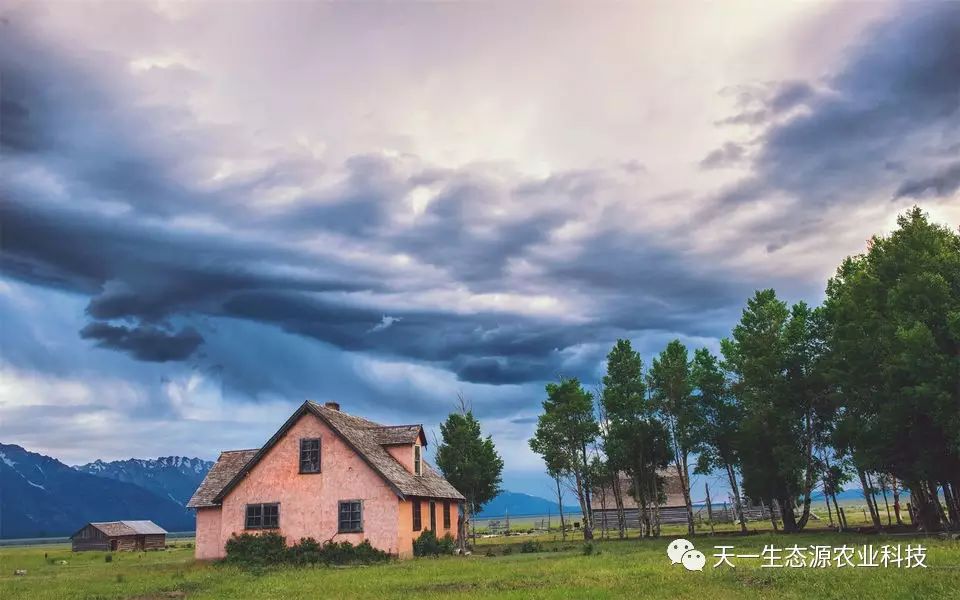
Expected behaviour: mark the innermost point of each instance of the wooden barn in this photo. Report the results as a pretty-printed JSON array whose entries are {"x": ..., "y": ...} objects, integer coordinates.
[{"x": 120, "y": 535}]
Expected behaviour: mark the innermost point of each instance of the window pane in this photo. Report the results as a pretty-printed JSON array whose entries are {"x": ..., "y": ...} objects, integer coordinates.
[
  {"x": 350, "y": 516},
  {"x": 254, "y": 516},
  {"x": 310, "y": 455},
  {"x": 417, "y": 517}
]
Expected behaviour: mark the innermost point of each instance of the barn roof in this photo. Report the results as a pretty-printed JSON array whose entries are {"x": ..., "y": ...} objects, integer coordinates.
[
  {"x": 671, "y": 488},
  {"x": 365, "y": 437},
  {"x": 122, "y": 528}
]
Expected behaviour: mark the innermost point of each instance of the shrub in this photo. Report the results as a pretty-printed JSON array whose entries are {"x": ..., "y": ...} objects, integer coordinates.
[
  {"x": 271, "y": 549},
  {"x": 428, "y": 544},
  {"x": 108, "y": 558},
  {"x": 508, "y": 550},
  {"x": 489, "y": 553},
  {"x": 530, "y": 546},
  {"x": 257, "y": 550},
  {"x": 588, "y": 549}
]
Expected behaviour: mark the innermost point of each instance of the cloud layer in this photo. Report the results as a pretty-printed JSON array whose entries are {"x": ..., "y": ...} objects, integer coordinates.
[{"x": 207, "y": 216}]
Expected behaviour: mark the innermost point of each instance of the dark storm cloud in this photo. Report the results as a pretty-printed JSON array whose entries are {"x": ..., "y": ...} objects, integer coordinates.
[
  {"x": 147, "y": 343},
  {"x": 943, "y": 183},
  {"x": 110, "y": 198},
  {"x": 116, "y": 239},
  {"x": 853, "y": 138}
]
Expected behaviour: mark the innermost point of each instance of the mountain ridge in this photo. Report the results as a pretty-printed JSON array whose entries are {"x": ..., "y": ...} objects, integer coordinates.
[{"x": 42, "y": 496}]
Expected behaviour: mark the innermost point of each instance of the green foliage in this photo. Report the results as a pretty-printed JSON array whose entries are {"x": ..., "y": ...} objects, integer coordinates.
[
  {"x": 530, "y": 546},
  {"x": 894, "y": 323},
  {"x": 564, "y": 431},
  {"x": 587, "y": 549},
  {"x": 266, "y": 549},
  {"x": 256, "y": 549},
  {"x": 774, "y": 355},
  {"x": 428, "y": 544},
  {"x": 108, "y": 558},
  {"x": 637, "y": 442},
  {"x": 468, "y": 460}
]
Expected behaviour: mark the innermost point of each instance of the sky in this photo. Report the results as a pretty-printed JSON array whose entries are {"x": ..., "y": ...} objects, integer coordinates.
[{"x": 212, "y": 212}]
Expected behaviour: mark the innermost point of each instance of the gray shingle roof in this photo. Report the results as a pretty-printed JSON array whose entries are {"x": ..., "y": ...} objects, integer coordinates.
[
  {"x": 365, "y": 437},
  {"x": 121, "y": 528},
  {"x": 219, "y": 475}
]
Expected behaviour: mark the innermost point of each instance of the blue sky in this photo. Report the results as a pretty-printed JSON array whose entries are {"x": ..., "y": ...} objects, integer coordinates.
[{"x": 212, "y": 213}]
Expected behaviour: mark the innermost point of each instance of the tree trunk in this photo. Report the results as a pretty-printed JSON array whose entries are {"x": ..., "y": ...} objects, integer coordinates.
[
  {"x": 883, "y": 490},
  {"x": 789, "y": 517},
  {"x": 826, "y": 500},
  {"x": 808, "y": 477},
  {"x": 618, "y": 500},
  {"x": 895, "y": 485},
  {"x": 563, "y": 522},
  {"x": 866, "y": 495},
  {"x": 773, "y": 515},
  {"x": 738, "y": 509},
  {"x": 582, "y": 499},
  {"x": 952, "y": 511},
  {"x": 935, "y": 499},
  {"x": 873, "y": 496},
  {"x": 683, "y": 472},
  {"x": 654, "y": 483},
  {"x": 840, "y": 520}
]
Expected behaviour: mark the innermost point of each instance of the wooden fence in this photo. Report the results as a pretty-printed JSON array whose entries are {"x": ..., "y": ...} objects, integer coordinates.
[{"x": 606, "y": 519}]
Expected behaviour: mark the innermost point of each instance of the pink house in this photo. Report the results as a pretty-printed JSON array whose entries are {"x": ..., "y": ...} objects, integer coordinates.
[{"x": 330, "y": 476}]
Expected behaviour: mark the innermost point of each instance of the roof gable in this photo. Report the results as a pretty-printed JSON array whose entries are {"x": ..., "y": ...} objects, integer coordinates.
[
  {"x": 122, "y": 528},
  {"x": 366, "y": 438}
]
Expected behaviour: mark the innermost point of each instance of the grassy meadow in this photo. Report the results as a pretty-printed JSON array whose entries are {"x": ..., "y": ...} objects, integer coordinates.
[{"x": 497, "y": 569}]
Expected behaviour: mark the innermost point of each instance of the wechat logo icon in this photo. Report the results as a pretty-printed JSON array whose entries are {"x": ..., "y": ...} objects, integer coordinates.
[{"x": 682, "y": 551}]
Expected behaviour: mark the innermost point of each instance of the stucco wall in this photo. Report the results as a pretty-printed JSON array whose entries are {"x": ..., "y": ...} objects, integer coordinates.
[
  {"x": 407, "y": 534},
  {"x": 208, "y": 544},
  {"x": 308, "y": 502},
  {"x": 403, "y": 454}
]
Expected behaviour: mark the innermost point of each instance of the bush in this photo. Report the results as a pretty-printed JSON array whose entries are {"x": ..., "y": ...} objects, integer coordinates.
[
  {"x": 257, "y": 549},
  {"x": 428, "y": 544},
  {"x": 108, "y": 558},
  {"x": 530, "y": 546},
  {"x": 271, "y": 549},
  {"x": 588, "y": 549}
]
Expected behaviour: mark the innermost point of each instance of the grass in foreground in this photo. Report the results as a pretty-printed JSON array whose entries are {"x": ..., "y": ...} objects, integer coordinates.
[{"x": 628, "y": 569}]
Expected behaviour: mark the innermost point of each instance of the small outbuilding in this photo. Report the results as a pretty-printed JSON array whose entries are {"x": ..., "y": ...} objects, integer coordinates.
[{"x": 120, "y": 535}]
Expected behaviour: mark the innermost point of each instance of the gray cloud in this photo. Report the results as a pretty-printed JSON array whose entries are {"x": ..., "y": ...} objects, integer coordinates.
[
  {"x": 153, "y": 344},
  {"x": 943, "y": 183}
]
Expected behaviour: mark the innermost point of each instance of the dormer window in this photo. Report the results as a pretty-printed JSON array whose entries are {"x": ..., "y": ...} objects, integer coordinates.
[
  {"x": 417, "y": 463},
  {"x": 310, "y": 455}
]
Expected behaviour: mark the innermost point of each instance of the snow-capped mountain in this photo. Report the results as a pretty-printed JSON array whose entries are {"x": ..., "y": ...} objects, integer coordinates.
[
  {"x": 173, "y": 477},
  {"x": 41, "y": 496}
]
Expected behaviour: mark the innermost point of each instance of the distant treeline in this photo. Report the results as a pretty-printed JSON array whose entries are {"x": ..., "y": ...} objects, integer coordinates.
[{"x": 864, "y": 388}]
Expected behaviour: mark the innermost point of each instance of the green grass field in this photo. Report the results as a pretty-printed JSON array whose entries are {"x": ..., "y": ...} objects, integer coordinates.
[{"x": 616, "y": 569}]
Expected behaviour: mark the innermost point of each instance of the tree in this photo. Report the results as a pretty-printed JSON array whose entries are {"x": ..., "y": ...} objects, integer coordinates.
[
  {"x": 669, "y": 381},
  {"x": 894, "y": 327},
  {"x": 564, "y": 432},
  {"x": 772, "y": 355},
  {"x": 469, "y": 461},
  {"x": 720, "y": 423}
]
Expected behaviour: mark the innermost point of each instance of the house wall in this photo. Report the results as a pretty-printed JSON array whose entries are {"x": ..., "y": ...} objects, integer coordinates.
[
  {"x": 407, "y": 534},
  {"x": 208, "y": 544},
  {"x": 403, "y": 453},
  {"x": 308, "y": 502}
]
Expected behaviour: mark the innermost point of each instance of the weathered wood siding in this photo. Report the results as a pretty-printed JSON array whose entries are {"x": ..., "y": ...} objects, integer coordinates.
[{"x": 91, "y": 538}]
